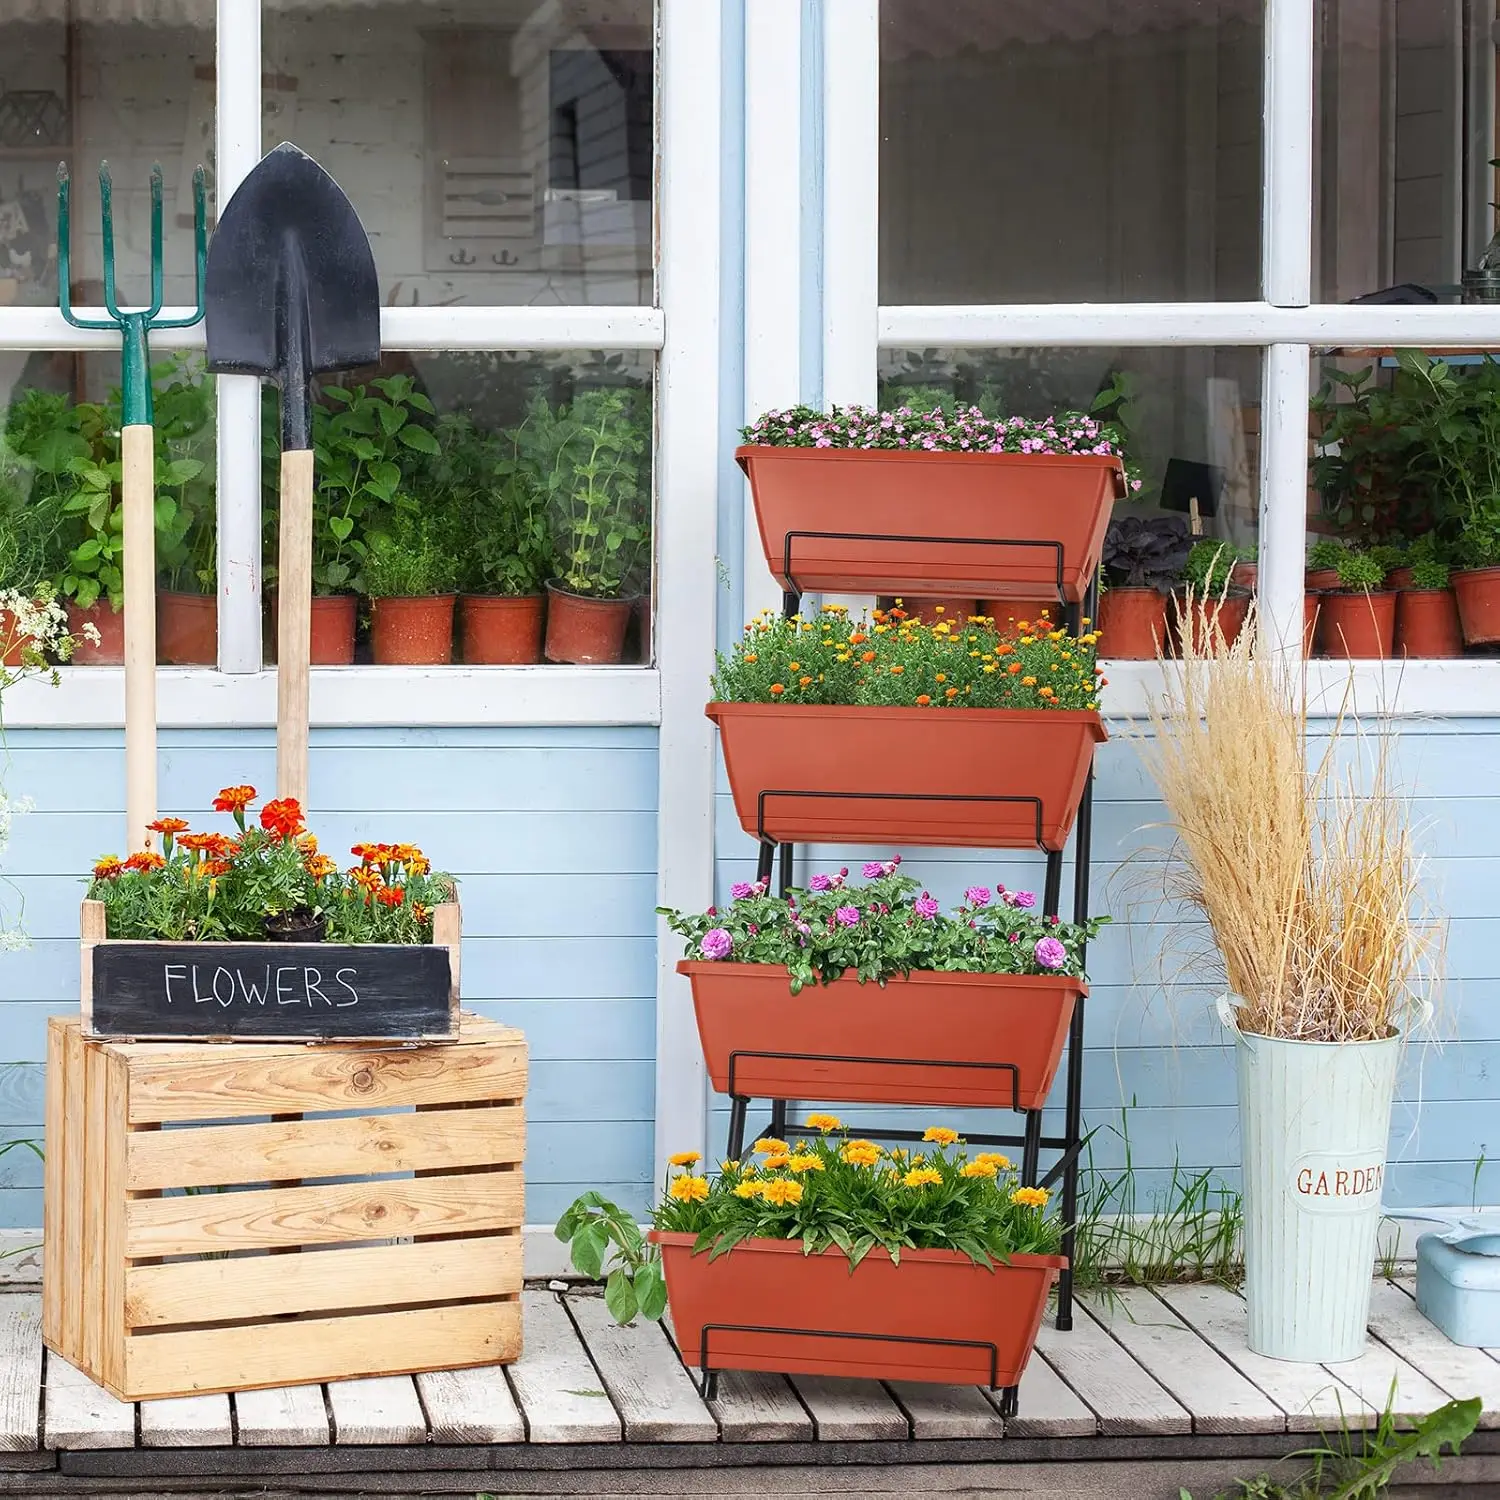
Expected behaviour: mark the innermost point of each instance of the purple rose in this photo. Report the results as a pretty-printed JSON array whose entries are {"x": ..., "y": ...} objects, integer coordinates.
[
  {"x": 872, "y": 869},
  {"x": 977, "y": 895},
  {"x": 1024, "y": 899},
  {"x": 741, "y": 889},
  {"x": 717, "y": 943},
  {"x": 1051, "y": 954},
  {"x": 820, "y": 883},
  {"x": 925, "y": 907},
  {"x": 848, "y": 916}
]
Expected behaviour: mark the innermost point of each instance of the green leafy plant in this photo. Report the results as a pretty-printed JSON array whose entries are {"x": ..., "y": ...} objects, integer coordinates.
[
  {"x": 1210, "y": 566},
  {"x": 605, "y": 1243},
  {"x": 414, "y": 558},
  {"x": 1361, "y": 571},
  {"x": 186, "y": 501},
  {"x": 1325, "y": 554}
]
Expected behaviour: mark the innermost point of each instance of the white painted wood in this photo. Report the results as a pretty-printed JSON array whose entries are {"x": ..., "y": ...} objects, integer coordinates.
[
  {"x": 754, "y": 1408},
  {"x": 1048, "y": 1405},
  {"x": 948, "y": 1411},
  {"x": 556, "y": 1385},
  {"x": 1126, "y": 1398},
  {"x": 851, "y": 1411},
  {"x": 542, "y": 328},
  {"x": 650, "y": 1388},
  {"x": 1287, "y": 176},
  {"x": 687, "y": 539},
  {"x": 384, "y": 1409},
  {"x": 21, "y": 1371},
  {"x": 1219, "y": 1398},
  {"x": 1381, "y": 1378},
  {"x": 186, "y": 1422},
  {"x": 76, "y": 1413},
  {"x": 1462, "y": 1372},
  {"x": 471, "y": 1406},
  {"x": 293, "y": 1416},
  {"x": 1311, "y": 1398},
  {"x": 1286, "y": 378}
]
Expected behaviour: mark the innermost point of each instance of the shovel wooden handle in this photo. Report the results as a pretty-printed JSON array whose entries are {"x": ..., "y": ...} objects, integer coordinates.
[
  {"x": 294, "y": 623},
  {"x": 138, "y": 497}
]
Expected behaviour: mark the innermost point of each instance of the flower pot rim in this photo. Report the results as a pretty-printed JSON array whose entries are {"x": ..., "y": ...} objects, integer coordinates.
[
  {"x": 1490, "y": 570},
  {"x": 501, "y": 598},
  {"x": 1258, "y": 1038},
  {"x": 410, "y": 598},
  {"x": 746, "y": 451},
  {"x": 690, "y": 967},
  {"x": 719, "y": 708},
  {"x": 161, "y": 590},
  {"x": 1022, "y": 1260},
  {"x": 1356, "y": 592},
  {"x": 1426, "y": 593},
  {"x": 557, "y": 586}
]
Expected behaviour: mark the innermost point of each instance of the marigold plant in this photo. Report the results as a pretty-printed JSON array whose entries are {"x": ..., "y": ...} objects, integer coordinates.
[{"x": 891, "y": 660}]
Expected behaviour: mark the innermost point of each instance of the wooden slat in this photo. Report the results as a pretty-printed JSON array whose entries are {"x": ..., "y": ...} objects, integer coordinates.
[
  {"x": 76, "y": 1413},
  {"x": 947, "y": 1411},
  {"x": 1311, "y": 1398},
  {"x": 471, "y": 1406},
  {"x": 323, "y": 1280},
  {"x": 96, "y": 1210},
  {"x": 467, "y": 1203},
  {"x": 285, "y": 1416},
  {"x": 652, "y": 1392},
  {"x": 447, "y": 930},
  {"x": 72, "y": 1195},
  {"x": 1462, "y": 1372},
  {"x": 558, "y": 1388},
  {"x": 54, "y": 1199},
  {"x": 1049, "y": 1407},
  {"x": 1218, "y": 1397},
  {"x": 1126, "y": 1398},
  {"x": 754, "y": 1408},
  {"x": 357, "y": 1146},
  {"x": 383, "y": 1410},
  {"x": 187, "y": 1422},
  {"x": 850, "y": 1411},
  {"x": 1381, "y": 1377},
  {"x": 108, "y": 1189},
  {"x": 21, "y": 1371},
  {"x": 309, "y": 1349}
]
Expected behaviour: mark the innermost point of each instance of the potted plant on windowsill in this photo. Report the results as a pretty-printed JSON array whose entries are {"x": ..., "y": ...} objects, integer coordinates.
[
  {"x": 995, "y": 979},
  {"x": 884, "y": 730},
  {"x": 1211, "y": 603},
  {"x": 1427, "y": 624},
  {"x": 411, "y": 575},
  {"x": 1143, "y": 559},
  {"x": 1359, "y": 617},
  {"x": 837, "y": 1258},
  {"x": 187, "y": 604},
  {"x": 827, "y": 485}
]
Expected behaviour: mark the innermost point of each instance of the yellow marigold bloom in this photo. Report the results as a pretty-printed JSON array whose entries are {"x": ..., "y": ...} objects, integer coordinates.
[
  {"x": 685, "y": 1159},
  {"x": 922, "y": 1177},
  {"x": 860, "y": 1153},
  {"x": 782, "y": 1192},
  {"x": 1029, "y": 1197},
  {"x": 768, "y": 1145},
  {"x": 990, "y": 668},
  {"x": 805, "y": 1161},
  {"x": 941, "y": 677},
  {"x": 729, "y": 1166},
  {"x": 994, "y": 1158},
  {"x": 899, "y": 1153},
  {"x": 940, "y": 1135},
  {"x": 748, "y": 1189},
  {"x": 980, "y": 1169},
  {"x": 1028, "y": 682},
  {"x": 775, "y": 1163},
  {"x": 825, "y": 1123},
  {"x": 689, "y": 1189}
]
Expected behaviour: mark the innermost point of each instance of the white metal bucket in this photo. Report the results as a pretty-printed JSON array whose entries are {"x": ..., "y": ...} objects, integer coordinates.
[{"x": 1314, "y": 1121}]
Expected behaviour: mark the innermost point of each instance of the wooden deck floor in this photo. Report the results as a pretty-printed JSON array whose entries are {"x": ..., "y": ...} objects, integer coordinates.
[{"x": 1147, "y": 1374}]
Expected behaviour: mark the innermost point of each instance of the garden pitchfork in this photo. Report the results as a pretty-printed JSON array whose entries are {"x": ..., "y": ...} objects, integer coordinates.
[{"x": 138, "y": 472}]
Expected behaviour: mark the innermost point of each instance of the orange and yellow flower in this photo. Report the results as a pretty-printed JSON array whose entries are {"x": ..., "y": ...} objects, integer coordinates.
[
  {"x": 825, "y": 1123},
  {"x": 922, "y": 1177},
  {"x": 768, "y": 1145},
  {"x": 1030, "y": 1197},
  {"x": 940, "y": 1135},
  {"x": 687, "y": 1189},
  {"x": 782, "y": 1191},
  {"x": 108, "y": 868},
  {"x": 685, "y": 1159}
]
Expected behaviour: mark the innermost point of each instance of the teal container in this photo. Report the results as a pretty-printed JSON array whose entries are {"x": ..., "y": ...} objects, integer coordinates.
[{"x": 1458, "y": 1285}]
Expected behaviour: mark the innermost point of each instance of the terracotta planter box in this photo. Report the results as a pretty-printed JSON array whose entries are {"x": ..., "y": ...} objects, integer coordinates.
[
  {"x": 947, "y": 1022},
  {"x": 930, "y": 498},
  {"x": 1133, "y": 625},
  {"x": 869, "y": 759},
  {"x": 932, "y": 1294}
]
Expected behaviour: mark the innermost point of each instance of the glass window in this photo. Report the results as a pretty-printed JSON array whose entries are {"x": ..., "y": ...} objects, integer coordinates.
[
  {"x": 498, "y": 151},
  {"x": 1103, "y": 150}
]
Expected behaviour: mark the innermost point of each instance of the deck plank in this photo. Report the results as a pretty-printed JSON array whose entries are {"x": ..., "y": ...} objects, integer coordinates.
[
  {"x": 1049, "y": 1406},
  {"x": 1462, "y": 1372},
  {"x": 21, "y": 1372},
  {"x": 186, "y": 1422},
  {"x": 653, "y": 1393},
  {"x": 79, "y": 1414},
  {"x": 851, "y": 1411},
  {"x": 754, "y": 1408},
  {"x": 471, "y": 1406},
  {"x": 949, "y": 1411},
  {"x": 1126, "y": 1398},
  {"x": 383, "y": 1409},
  {"x": 290, "y": 1416},
  {"x": 1311, "y": 1398},
  {"x": 1381, "y": 1378},
  {"x": 556, "y": 1383},
  {"x": 1215, "y": 1394}
]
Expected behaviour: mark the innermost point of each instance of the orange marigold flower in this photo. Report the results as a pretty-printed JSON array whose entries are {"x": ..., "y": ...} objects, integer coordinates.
[
  {"x": 794, "y": 666},
  {"x": 775, "y": 1163},
  {"x": 1013, "y": 668},
  {"x": 867, "y": 657},
  {"x": 805, "y": 1161},
  {"x": 782, "y": 1192},
  {"x": 922, "y": 1177},
  {"x": 777, "y": 689},
  {"x": 108, "y": 868},
  {"x": 994, "y": 1158},
  {"x": 689, "y": 1189},
  {"x": 168, "y": 825},
  {"x": 952, "y": 693},
  {"x": 980, "y": 1169},
  {"x": 407, "y": 853},
  {"x": 283, "y": 817},
  {"x": 320, "y": 866},
  {"x": 940, "y": 1134},
  {"x": 770, "y": 1145},
  {"x": 234, "y": 799},
  {"x": 940, "y": 677},
  {"x": 749, "y": 1189},
  {"x": 1028, "y": 682},
  {"x": 860, "y": 1153},
  {"x": 145, "y": 860},
  {"x": 805, "y": 682},
  {"x": 391, "y": 895},
  {"x": 897, "y": 670},
  {"x": 858, "y": 638},
  {"x": 825, "y": 1123},
  {"x": 685, "y": 1159},
  {"x": 1030, "y": 1197},
  {"x": 1004, "y": 649},
  {"x": 923, "y": 700},
  {"x": 366, "y": 877},
  {"x": 214, "y": 868},
  {"x": 751, "y": 656}
]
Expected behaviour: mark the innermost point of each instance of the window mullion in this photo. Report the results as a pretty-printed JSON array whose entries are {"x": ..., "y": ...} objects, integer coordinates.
[{"x": 1287, "y": 187}]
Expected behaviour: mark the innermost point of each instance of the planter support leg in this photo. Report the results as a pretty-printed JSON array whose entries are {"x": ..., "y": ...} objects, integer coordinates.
[
  {"x": 1052, "y": 889},
  {"x": 766, "y": 860},
  {"x": 786, "y": 870},
  {"x": 739, "y": 1107},
  {"x": 779, "y": 1109},
  {"x": 1010, "y": 1401},
  {"x": 1031, "y": 1152}
]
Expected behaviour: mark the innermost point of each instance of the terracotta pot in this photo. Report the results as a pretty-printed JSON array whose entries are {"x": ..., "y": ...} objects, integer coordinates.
[
  {"x": 874, "y": 754},
  {"x": 1008, "y": 612},
  {"x": 1399, "y": 580},
  {"x": 187, "y": 629},
  {"x": 412, "y": 632},
  {"x": 1244, "y": 575},
  {"x": 930, "y": 611},
  {"x": 331, "y": 642},
  {"x": 10, "y": 650},
  {"x": 1359, "y": 625},
  {"x": 1027, "y": 497},
  {"x": 582, "y": 629},
  {"x": 1478, "y": 592},
  {"x": 1321, "y": 580},
  {"x": 501, "y": 630},
  {"x": 962, "y": 1019},
  {"x": 932, "y": 1294},
  {"x": 1312, "y": 624},
  {"x": 1133, "y": 624},
  {"x": 1204, "y": 616},
  {"x": 1427, "y": 624},
  {"x": 110, "y": 623}
]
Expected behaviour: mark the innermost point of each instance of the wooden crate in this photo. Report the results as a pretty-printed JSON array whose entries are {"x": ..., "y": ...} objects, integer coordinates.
[{"x": 183, "y": 1252}]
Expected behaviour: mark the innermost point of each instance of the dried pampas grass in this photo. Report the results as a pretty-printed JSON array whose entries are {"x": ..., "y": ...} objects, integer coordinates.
[{"x": 1306, "y": 873}]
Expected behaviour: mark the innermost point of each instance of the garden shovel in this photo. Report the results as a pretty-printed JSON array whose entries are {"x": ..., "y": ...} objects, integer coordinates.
[{"x": 291, "y": 293}]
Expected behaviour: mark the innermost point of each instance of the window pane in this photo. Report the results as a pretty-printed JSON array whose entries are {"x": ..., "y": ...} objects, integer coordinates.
[
  {"x": 132, "y": 91},
  {"x": 1406, "y": 121},
  {"x": 1102, "y": 150},
  {"x": 520, "y": 483},
  {"x": 498, "y": 151},
  {"x": 60, "y": 502}
]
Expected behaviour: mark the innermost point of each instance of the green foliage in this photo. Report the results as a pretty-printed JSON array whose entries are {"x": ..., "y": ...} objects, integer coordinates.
[
  {"x": 414, "y": 557},
  {"x": 1361, "y": 570},
  {"x": 1324, "y": 554},
  {"x": 186, "y": 498},
  {"x": 605, "y": 1243},
  {"x": 1210, "y": 565}
]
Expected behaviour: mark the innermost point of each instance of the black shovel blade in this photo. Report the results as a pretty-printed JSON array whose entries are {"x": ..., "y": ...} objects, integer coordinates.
[{"x": 291, "y": 289}]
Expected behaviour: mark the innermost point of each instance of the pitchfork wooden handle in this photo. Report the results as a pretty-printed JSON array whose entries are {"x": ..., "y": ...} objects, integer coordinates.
[
  {"x": 138, "y": 503},
  {"x": 294, "y": 623}
]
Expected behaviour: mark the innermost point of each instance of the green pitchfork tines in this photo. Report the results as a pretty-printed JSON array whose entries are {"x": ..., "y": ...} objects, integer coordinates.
[{"x": 134, "y": 325}]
